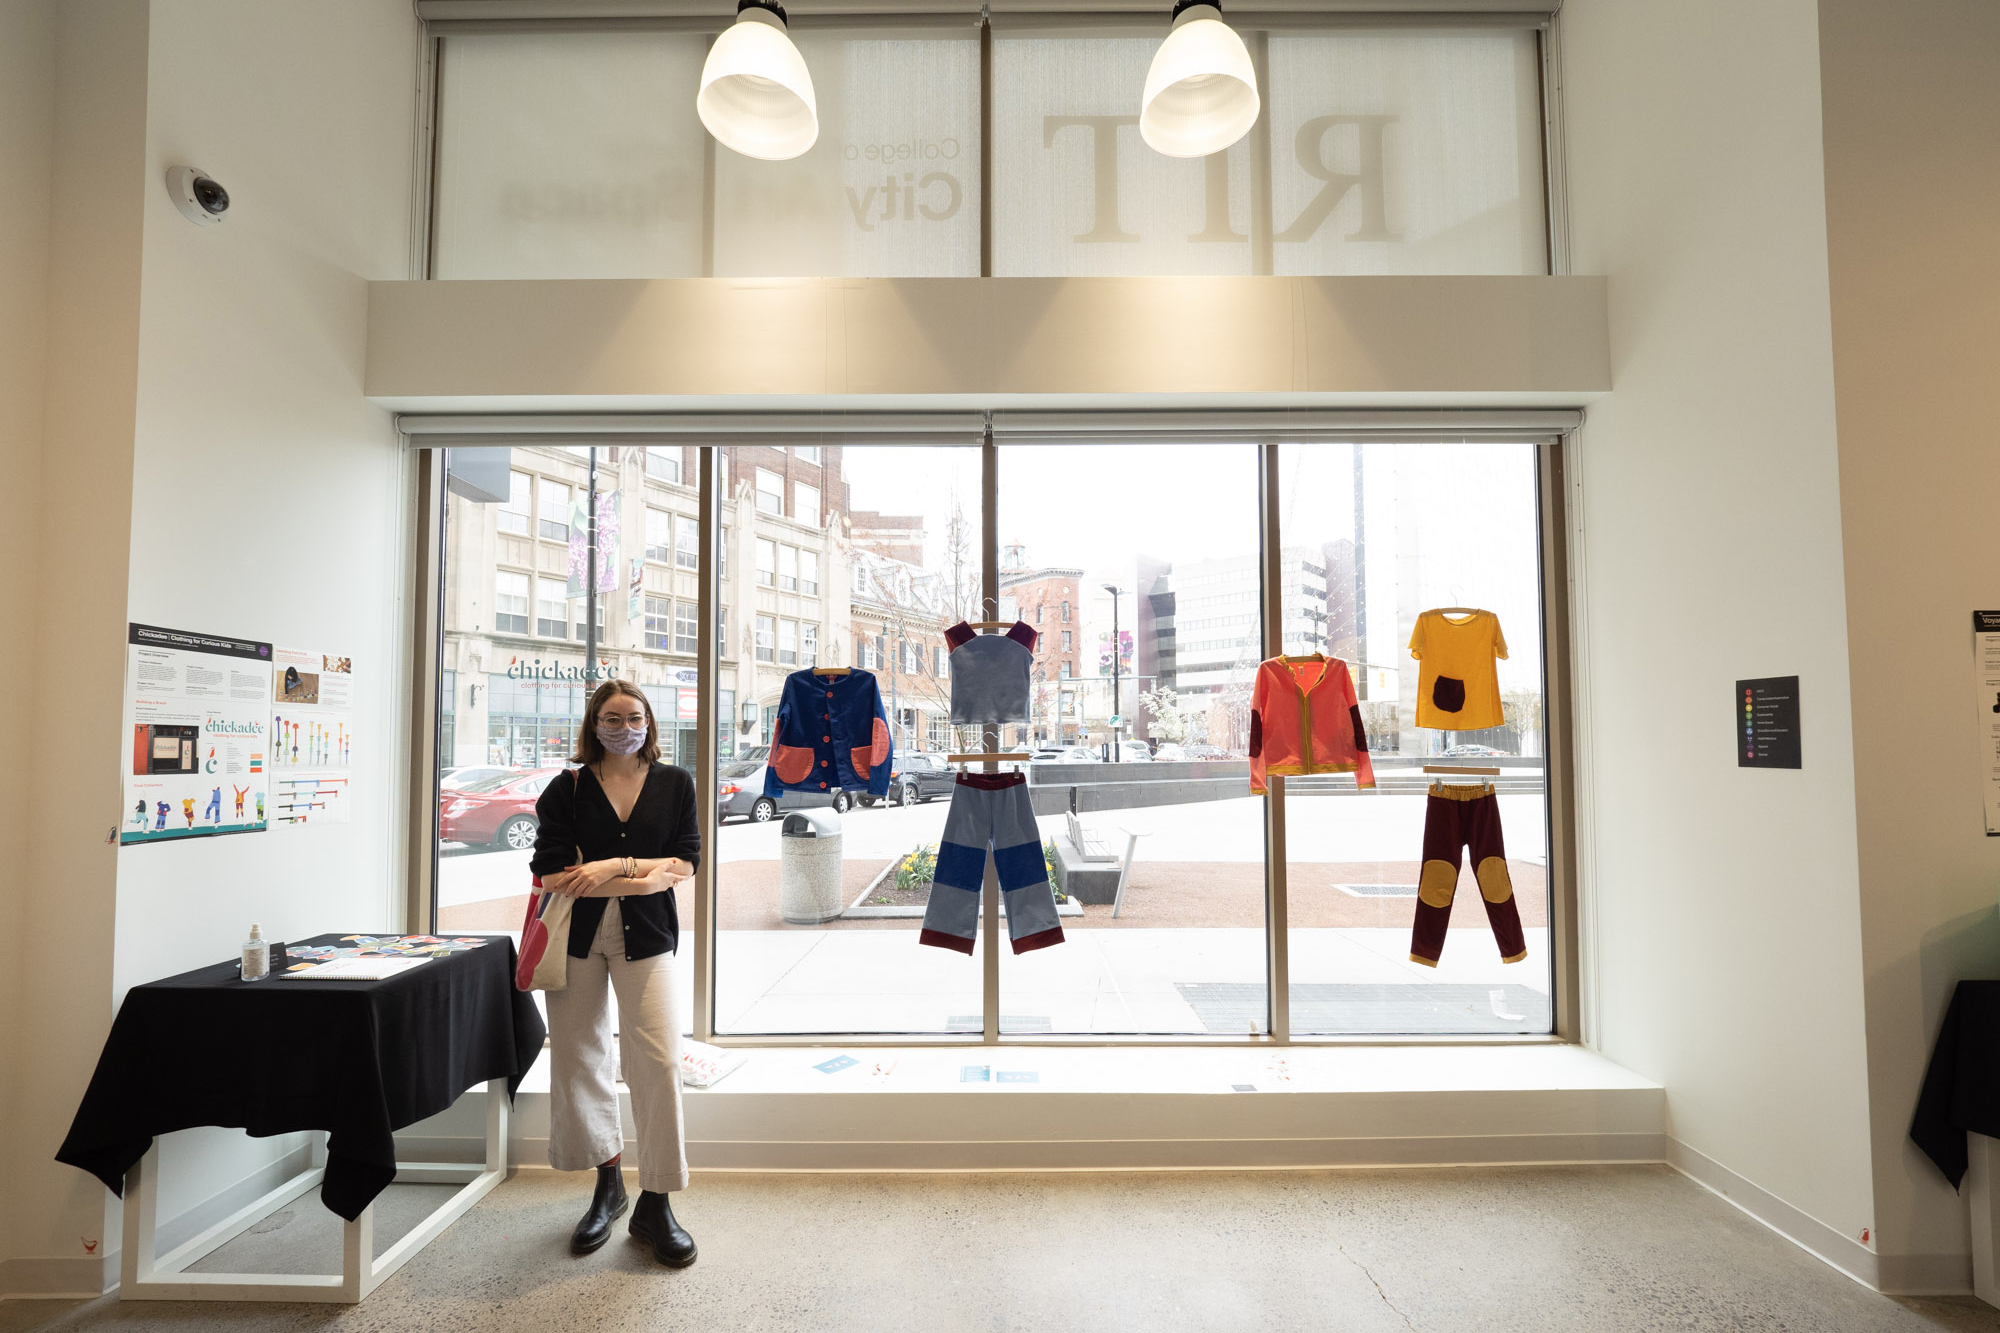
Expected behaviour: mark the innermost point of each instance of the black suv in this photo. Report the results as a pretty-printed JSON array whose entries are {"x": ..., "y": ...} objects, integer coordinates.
[{"x": 914, "y": 778}]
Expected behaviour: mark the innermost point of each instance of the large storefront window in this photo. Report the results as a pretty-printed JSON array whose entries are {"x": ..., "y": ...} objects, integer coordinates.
[
  {"x": 867, "y": 579},
  {"x": 1112, "y": 552},
  {"x": 1436, "y": 544},
  {"x": 578, "y": 154},
  {"x": 1418, "y": 903},
  {"x": 516, "y": 640}
]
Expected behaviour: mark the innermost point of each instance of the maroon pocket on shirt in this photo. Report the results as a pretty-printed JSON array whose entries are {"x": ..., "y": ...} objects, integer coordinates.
[{"x": 1448, "y": 693}]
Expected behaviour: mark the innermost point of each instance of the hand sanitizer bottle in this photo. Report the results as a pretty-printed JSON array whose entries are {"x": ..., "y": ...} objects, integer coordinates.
[{"x": 256, "y": 955}]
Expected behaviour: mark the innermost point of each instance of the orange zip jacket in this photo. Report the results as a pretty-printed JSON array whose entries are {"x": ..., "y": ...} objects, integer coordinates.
[{"x": 1305, "y": 718}]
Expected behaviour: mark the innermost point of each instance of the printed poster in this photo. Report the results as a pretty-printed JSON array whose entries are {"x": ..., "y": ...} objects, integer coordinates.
[
  {"x": 197, "y": 711},
  {"x": 312, "y": 737}
]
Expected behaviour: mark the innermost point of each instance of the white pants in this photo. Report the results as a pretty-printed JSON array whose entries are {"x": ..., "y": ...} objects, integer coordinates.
[{"x": 584, "y": 1126}]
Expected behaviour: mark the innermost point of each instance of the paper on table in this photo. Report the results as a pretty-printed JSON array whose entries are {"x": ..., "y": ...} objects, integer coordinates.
[{"x": 360, "y": 969}]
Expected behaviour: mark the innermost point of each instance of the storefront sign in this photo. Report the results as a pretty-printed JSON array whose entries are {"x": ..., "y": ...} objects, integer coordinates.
[
  {"x": 687, "y": 704},
  {"x": 1767, "y": 723},
  {"x": 1986, "y": 694},
  {"x": 553, "y": 672}
]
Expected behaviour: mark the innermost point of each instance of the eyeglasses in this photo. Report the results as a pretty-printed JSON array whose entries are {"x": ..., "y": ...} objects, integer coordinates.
[{"x": 636, "y": 721}]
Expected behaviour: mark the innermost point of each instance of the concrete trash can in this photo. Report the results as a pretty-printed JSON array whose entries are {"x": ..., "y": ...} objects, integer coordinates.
[{"x": 809, "y": 889}]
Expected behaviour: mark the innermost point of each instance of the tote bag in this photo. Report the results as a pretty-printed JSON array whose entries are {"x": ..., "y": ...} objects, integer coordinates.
[
  {"x": 544, "y": 960},
  {"x": 542, "y": 967}
]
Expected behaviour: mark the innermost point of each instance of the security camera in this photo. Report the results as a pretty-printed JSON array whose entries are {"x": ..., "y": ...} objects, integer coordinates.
[{"x": 198, "y": 196}]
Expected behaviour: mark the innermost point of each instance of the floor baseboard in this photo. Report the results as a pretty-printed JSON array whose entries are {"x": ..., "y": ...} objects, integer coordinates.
[
  {"x": 76, "y": 1278},
  {"x": 1807, "y": 1232}
]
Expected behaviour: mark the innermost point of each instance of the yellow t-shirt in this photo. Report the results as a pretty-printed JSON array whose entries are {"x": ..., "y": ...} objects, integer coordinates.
[{"x": 1458, "y": 687}]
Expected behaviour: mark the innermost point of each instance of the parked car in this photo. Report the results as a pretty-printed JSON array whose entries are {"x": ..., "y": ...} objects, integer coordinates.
[
  {"x": 1170, "y": 753},
  {"x": 464, "y": 775},
  {"x": 1204, "y": 751},
  {"x": 1472, "y": 752},
  {"x": 498, "y": 810},
  {"x": 1069, "y": 754},
  {"x": 916, "y": 778},
  {"x": 740, "y": 794},
  {"x": 1130, "y": 751}
]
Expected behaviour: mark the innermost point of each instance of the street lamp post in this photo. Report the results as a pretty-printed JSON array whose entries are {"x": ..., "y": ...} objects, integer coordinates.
[{"x": 1116, "y": 712}]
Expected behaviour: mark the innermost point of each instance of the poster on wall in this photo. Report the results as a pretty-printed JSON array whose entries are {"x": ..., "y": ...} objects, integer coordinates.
[
  {"x": 1986, "y": 694},
  {"x": 312, "y": 737},
  {"x": 197, "y": 714}
]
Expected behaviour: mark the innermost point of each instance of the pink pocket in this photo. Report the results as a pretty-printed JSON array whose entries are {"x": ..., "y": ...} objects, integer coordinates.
[{"x": 791, "y": 762}]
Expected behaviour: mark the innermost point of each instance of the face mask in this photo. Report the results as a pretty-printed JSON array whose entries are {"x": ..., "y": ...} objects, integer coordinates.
[{"x": 621, "y": 740}]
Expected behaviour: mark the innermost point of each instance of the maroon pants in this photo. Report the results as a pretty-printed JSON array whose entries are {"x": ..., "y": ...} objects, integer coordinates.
[{"x": 1458, "y": 818}]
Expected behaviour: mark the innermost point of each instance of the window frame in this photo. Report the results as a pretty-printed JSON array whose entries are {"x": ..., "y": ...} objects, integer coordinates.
[
  {"x": 655, "y": 554},
  {"x": 544, "y": 488}
]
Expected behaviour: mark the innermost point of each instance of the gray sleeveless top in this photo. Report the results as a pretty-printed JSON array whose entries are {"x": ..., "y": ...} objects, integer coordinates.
[{"x": 989, "y": 673}]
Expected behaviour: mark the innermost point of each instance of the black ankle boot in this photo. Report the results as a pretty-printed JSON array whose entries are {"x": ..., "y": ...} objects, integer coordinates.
[
  {"x": 606, "y": 1207},
  {"x": 653, "y": 1222}
]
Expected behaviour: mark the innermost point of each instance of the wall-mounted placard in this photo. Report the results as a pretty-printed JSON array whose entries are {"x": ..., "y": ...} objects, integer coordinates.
[
  {"x": 1986, "y": 698},
  {"x": 1767, "y": 722},
  {"x": 312, "y": 736},
  {"x": 197, "y": 714}
]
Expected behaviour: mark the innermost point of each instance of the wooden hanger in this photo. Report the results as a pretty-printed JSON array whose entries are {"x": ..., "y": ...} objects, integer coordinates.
[
  {"x": 989, "y": 757},
  {"x": 1459, "y": 610},
  {"x": 1467, "y": 772},
  {"x": 831, "y": 671},
  {"x": 991, "y": 624}
]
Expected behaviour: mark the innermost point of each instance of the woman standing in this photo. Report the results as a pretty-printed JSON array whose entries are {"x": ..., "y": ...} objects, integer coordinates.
[{"x": 617, "y": 833}]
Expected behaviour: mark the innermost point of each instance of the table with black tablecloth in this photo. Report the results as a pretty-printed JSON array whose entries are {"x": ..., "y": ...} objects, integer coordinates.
[
  {"x": 1961, "y": 1092},
  {"x": 358, "y": 1059},
  {"x": 1960, "y": 1099}
]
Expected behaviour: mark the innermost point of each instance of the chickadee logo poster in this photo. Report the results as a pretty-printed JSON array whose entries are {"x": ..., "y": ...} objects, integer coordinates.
[{"x": 197, "y": 714}]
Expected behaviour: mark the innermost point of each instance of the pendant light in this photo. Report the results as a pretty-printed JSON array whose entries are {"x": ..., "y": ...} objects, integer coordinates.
[
  {"x": 756, "y": 94},
  {"x": 1201, "y": 92}
]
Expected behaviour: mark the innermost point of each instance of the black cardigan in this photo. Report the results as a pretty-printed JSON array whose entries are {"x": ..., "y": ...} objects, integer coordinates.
[{"x": 575, "y": 813}]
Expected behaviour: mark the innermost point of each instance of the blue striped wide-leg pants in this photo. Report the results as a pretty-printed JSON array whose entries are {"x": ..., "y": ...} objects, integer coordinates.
[{"x": 991, "y": 810}]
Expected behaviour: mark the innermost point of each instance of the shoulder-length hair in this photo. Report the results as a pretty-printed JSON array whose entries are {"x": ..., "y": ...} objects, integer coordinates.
[{"x": 589, "y": 749}]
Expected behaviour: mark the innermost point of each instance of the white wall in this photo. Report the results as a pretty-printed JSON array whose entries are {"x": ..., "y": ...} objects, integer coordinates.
[
  {"x": 215, "y": 375},
  {"x": 1912, "y": 115},
  {"x": 75, "y": 651},
  {"x": 1724, "y": 941},
  {"x": 27, "y": 141},
  {"x": 268, "y": 494}
]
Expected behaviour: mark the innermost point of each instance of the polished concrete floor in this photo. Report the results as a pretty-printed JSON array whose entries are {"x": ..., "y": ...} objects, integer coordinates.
[{"x": 1601, "y": 1249}]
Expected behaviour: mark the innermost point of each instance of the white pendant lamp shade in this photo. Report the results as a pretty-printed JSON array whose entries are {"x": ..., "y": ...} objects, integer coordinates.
[
  {"x": 756, "y": 94},
  {"x": 1201, "y": 93}
]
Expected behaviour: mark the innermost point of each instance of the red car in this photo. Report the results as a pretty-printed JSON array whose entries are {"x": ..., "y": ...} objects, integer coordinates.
[{"x": 498, "y": 810}]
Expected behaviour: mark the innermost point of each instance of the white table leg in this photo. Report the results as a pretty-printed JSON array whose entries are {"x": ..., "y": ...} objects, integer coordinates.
[
  {"x": 147, "y": 1276},
  {"x": 136, "y": 1259},
  {"x": 1983, "y": 1200}
]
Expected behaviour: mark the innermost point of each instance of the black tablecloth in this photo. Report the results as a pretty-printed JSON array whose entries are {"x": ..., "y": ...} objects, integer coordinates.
[
  {"x": 360, "y": 1059},
  {"x": 1962, "y": 1086}
]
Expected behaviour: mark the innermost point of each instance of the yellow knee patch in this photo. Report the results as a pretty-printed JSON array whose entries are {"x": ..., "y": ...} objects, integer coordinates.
[
  {"x": 1438, "y": 883},
  {"x": 1493, "y": 880}
]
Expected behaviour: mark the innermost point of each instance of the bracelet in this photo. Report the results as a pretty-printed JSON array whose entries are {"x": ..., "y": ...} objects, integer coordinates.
[{"x": 631, "y": 868}]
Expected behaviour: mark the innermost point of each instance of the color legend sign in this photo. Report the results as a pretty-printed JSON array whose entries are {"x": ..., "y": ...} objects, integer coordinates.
[
  {"x": 1767, "y": 722},
  {"x": 1986, "y": 702}
]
